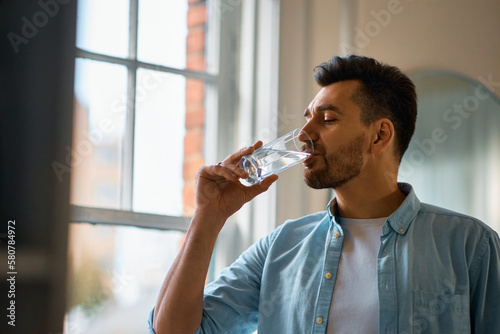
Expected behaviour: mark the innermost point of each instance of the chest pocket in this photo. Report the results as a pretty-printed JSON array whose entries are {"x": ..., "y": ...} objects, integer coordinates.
[{"x": 440, "y": 313}]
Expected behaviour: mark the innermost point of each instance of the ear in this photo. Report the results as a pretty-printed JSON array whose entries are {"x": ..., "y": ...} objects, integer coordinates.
[{"x": 382, "y": 135}]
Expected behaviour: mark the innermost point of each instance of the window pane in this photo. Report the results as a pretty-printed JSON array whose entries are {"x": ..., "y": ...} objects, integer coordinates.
[
  {"x": 159, "y": 143},
  {"x": 115, "y": 276},
  {"x": 162, "y": 32},
  {"x": 99, "y": 118},
  {"x": 103, "y": 26}
]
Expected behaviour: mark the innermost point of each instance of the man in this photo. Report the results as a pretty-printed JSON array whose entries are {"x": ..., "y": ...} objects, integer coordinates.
[{"x": 377, "y": 261}]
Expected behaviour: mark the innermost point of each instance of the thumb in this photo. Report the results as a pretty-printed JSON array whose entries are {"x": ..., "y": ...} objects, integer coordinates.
[{"x": 263, "y": 186}]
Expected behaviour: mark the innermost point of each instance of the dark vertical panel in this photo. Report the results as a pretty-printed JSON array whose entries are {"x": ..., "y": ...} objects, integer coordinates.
[{"x": 37, "y": 41}]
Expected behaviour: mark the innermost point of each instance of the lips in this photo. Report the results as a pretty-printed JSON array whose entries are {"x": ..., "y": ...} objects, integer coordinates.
[
  {"x": 309, "y": 159},
  {"x": 314, "y": 152}
]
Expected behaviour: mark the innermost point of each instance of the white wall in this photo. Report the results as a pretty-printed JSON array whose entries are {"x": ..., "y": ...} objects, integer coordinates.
[{"x": 456, "y": 35}]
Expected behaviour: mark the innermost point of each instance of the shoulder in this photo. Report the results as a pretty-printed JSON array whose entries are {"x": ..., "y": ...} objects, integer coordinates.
[
  {"x": 295, "y": 230},
  {"x": 306, "y": 223},
  {"x": 287, "y": 235},
  {"x": 441, "y": 218},
  {"x": 461, "y": 234}
]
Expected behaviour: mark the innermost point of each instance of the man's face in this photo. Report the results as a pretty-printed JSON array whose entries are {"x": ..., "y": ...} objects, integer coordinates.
[{"x": 333, "y": 122}]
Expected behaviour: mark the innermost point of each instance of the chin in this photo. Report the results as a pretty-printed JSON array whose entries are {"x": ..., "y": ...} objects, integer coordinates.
[
  {"x": 323, "y": 179},
  {"x": 315, "y": 180}
]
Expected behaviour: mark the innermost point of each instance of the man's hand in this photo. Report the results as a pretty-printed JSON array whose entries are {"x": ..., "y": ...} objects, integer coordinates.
[{"x": 219, "y": 193}]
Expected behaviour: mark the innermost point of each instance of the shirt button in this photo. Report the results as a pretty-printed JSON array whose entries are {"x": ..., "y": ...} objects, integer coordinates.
[
  {"x": 401, "y": 230},
  {"x": 328, "y": 275},
  {"x": 336, "y": 234},
  {"x": 319, "y": 320}
]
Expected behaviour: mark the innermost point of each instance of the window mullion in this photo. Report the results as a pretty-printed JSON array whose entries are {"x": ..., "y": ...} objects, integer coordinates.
[
  {"x": 101, "y": 216},
  {"x": 128, "y": 138},
  {"x": 133, "y": 29},
  {"x": 201, "y": 75}
]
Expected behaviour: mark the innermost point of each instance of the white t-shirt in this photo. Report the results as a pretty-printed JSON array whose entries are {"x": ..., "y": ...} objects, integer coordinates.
[{"x": 355, "y": 305}]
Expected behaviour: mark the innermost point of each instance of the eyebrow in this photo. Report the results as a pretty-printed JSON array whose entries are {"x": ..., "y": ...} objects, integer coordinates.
[{"x": 323, "y": 107}]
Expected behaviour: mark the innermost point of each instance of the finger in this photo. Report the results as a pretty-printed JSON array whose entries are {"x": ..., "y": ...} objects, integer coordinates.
[
  {"x": 236, "y": 169},
  {"x": 220, "y": 171},
  {"x": 225, "y": 172},
  {"x": 268, "y": 181},
  {"x": 233, "y": 161},
  {"x": 263, "y": 186},
  {"x": 258, "y": 144},
  {"x": 240, "y": 173},
  {"x": 235, "y": 157}
]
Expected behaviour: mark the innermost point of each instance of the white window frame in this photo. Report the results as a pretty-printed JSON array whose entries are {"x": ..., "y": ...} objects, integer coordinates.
[
  {"x": 257, "y": 106},
  {"x": 125, "y": 216},
  {"x": 241, "y": 99}
]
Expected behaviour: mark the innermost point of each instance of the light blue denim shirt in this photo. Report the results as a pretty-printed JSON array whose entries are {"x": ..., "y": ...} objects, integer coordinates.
[{"x": 438, "y": 272}]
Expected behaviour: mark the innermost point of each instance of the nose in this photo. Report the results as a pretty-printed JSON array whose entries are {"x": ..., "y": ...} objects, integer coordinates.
[
  {"x": 307, "y": 140},
  {"x": 309, "y": 130}
]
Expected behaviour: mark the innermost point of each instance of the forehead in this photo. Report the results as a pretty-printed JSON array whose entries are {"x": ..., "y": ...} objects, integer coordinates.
[{"x": 338, "y": 94}]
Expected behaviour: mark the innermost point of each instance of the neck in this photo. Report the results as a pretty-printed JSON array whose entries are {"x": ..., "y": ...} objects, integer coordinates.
[{"x": 369, "y": 197}]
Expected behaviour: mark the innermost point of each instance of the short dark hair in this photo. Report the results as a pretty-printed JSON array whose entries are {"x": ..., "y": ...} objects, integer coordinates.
[{"x": 384, "y": 92}]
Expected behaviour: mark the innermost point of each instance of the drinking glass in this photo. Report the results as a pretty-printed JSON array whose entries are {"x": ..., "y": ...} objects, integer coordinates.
[{"x": 277, "y": 155}]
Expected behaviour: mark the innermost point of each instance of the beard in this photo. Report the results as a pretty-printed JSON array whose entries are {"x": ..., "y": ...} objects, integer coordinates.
[{"x": 339, "y": 167}]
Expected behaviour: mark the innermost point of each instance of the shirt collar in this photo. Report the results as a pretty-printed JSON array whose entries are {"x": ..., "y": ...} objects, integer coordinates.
[{"x": 399, "y": 221}]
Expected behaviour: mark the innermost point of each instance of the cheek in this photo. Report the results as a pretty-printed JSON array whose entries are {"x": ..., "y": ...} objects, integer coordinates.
[{"x": 333, "y": 144}]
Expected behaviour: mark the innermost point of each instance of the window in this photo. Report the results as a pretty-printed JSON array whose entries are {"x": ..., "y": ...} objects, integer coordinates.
[
  {"x": 161, "y": 88},
  {"x": 144, "y": 92}
]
